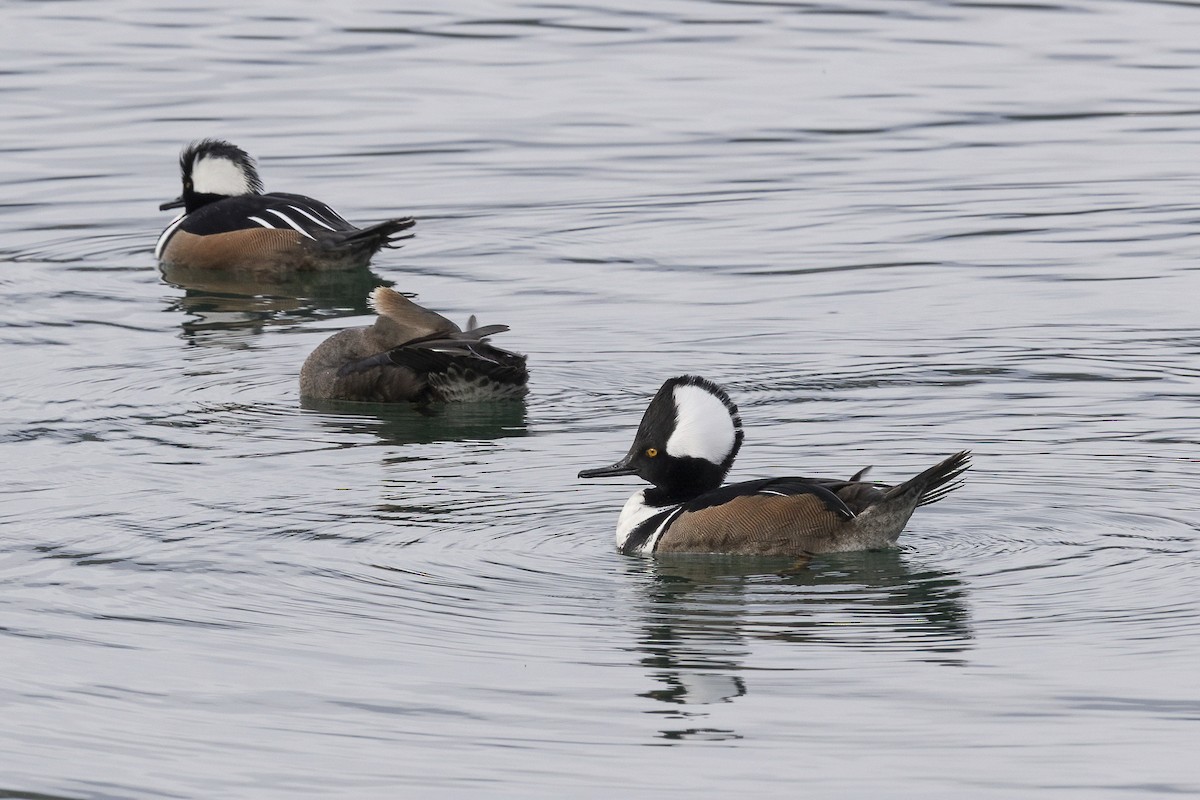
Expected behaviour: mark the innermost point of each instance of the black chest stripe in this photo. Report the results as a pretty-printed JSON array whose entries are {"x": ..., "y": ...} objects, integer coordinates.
[{"x": 646, "y": 529}]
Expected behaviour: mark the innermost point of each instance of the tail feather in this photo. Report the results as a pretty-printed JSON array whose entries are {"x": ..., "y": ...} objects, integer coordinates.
[
  {"x": 858, "y": 476},
  {"x": 936, "y": 482},
  {"x": 932, "y": 497},
  {"x": 381, "y": 234},
  {"x": 407, "y": 314}
]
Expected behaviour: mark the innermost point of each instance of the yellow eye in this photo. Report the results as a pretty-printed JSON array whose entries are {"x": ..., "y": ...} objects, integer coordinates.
[{"x": 651, "y": 452}]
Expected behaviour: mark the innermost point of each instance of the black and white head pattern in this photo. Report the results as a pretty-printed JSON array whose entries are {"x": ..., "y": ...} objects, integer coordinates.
[
  {"x": 213, "y": 166},
  {"x": 707, "y": 423},
  {"x": 686, "y": 443},
  {"x": 688, "y": 437}
]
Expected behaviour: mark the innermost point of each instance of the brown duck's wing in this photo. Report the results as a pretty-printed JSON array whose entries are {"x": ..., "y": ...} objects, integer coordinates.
[
  {"x": 341, "y": 368},
  {"x": 378, "y": 383},
  {"x": 773, "y": 517},
  {"x": 474, "y": 362}
]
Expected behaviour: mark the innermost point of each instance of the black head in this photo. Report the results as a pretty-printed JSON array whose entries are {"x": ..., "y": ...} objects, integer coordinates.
[
  {"x": 213, "y": 169},
  {"x": 687, "y": 441}
]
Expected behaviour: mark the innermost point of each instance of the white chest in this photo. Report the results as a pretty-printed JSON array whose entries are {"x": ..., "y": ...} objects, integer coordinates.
[{"x": 637, "y": 511}]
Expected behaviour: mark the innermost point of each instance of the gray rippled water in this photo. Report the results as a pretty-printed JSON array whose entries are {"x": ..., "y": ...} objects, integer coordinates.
[{"x": 893, "y": 230}]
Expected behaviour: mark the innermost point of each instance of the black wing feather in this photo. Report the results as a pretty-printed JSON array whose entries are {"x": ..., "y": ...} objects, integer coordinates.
[{"x": 777, "y": 486}]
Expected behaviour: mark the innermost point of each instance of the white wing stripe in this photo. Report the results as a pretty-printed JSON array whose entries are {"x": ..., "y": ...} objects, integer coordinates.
[
  {"x": 328, "y": 213},
  {"x": 310, "y": 216},
  {"x": 291, "y": 223}
]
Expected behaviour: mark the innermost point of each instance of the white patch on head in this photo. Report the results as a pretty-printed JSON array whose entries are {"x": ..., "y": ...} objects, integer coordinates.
[
  {"x": 704, "y": 427},
  {"x": 218, "y": 175},
  {"x": 637, "y": 511}
]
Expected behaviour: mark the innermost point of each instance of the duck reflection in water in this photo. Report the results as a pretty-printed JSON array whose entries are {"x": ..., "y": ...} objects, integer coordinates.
[
  {"x": 406, "y": 423},
  {"x": 700, "y": 617},
  {"x": 222, "y": 308}
]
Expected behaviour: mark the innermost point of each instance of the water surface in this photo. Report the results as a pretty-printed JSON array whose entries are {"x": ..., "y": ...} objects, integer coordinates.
[{"x": 892, "y": 230}]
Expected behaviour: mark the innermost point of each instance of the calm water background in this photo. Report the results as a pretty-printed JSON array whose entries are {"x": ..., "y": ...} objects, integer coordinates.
[{"x": 892, "y": 229}]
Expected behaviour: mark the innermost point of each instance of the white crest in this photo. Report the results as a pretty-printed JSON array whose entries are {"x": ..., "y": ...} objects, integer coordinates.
[
  {"x": 704, "y": 426},
  {"x": 637, "y": 511},
  {"x": 219, "y": 175}
]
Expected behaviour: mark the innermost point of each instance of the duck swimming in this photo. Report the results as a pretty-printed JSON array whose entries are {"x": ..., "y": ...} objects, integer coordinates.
[
  {"x": 229, "y": 223},
  {"x": 412, "y": 354},
  {"x": 687, "y": 441}
]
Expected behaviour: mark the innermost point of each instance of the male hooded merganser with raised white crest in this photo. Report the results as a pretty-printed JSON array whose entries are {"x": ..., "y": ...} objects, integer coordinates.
[
  {"x": 412, "y": 354},
  {"x": 685, "y": 445},
  {"x": 228, "y": 222}
]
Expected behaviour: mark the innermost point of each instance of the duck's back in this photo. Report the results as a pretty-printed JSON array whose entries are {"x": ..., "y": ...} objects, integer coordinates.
[
  {"x": 335, "y": 371},
  {"x": 276, "y": 210}
]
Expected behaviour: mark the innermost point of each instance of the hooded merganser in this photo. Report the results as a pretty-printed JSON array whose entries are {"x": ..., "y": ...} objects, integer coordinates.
[
  {"x": 229, "y": 223},
  {"x": 413, "y": 354},
  {"x": 685, "y": 445}
]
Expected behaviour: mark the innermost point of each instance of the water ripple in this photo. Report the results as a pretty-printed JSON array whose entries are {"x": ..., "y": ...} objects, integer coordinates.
[{"x": 893, "y": 231}]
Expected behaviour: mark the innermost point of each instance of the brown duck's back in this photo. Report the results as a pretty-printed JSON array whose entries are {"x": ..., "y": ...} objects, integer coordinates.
[{"x": 322, "y": 376}]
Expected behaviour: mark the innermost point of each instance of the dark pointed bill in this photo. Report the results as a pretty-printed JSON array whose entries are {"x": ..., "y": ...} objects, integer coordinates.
[
  {"x": 622, "y": 467},
  {"x": 176, "y": 203}
]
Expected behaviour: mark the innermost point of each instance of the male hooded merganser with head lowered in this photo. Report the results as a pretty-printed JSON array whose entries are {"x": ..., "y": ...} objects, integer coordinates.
[
  {"x": 229, "y": 223},
  {"x": 686, "y": 444},
  {"x": 412, "y": 354}
]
